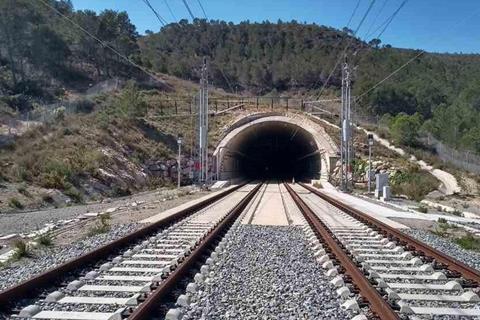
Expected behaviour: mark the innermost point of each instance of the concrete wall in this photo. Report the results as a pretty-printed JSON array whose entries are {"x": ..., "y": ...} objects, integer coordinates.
[{"x": 227, "y": 163}]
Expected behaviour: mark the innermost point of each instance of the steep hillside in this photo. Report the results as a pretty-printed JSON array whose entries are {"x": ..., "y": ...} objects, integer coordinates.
[
  {"x": 45, "y": 57},
  {"x": 263, "y": 57},
  {"x": 249, "y": 56},
  {"x": 120, "y": 147}
]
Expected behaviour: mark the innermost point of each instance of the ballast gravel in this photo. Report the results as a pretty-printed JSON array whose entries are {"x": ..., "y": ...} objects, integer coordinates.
[
  {"x": 47, "y": 259},
  {"x": 266, "y": 273},
  {"x": 446, "y": 246}
]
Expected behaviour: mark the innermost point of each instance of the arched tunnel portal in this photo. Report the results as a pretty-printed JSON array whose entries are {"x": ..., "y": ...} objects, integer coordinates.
[{"x": 273, "y": 147}]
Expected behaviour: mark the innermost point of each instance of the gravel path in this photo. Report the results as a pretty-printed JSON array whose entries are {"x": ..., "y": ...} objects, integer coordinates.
[
  {"x": 267, "y": 273},
  {"x": 24, "y": 222},
  {"x": 470, "y": 258},
  {"x": 47, "y": 259},
  {"x": 449, "y": 182}
]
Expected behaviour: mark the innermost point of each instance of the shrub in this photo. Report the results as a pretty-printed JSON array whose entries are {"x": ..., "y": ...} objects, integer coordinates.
[
  {"x": 22, "y": 173},
  {"x": 131, "y": 103},
  {"x": 23, "y": 190},
  {"x": 414, "y": 183},
  {"x": 47, "y": 198},
  {"x": 15, "y": 203},
  {"x": 469, "y": 242},
  {"x": 73, "y": 194},
  {"x": 457, "y": 213},
  {"x": 21, "y": 248},
  {"x": 439, "y": 232},
  {"x": 45, "y": 239},
  {"x": 404, "y": 128},
  {"x": 442, "y": 220},
  {"x": 422, "y": 209},
  {"x": 84, "y": 105},
  {"x": 101, "y": 226}
]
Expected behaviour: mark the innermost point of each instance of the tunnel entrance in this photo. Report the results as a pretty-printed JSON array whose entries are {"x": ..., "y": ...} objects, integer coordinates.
[{"x": 269, "y": 150}]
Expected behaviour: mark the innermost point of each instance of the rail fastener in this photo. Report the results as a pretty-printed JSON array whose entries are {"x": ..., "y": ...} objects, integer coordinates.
[
  {"x": 438, "y": 258},
  {"x": 376, "y": 303},
  {"x": 30, "y": 287}
]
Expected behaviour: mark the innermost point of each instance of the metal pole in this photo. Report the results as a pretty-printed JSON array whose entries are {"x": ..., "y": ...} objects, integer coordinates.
[
  {"x": 179, "y": 166},
  {"x": 342, "y": 128},
  {"x": 369, "y": 167},
  {"x": 206, "y": 121},
  {"x": 203, "y": 124},
  {"x": 349, "y": 131},
  {"x": 346, "y": 142}
]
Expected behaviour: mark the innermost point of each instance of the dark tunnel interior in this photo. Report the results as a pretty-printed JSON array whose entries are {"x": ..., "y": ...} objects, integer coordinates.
[{"x": 277, "y": 150}]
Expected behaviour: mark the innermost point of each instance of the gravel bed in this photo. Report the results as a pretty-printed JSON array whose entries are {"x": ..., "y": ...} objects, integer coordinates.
[
  {"x": 267, "y": 273},
  {"x": 47, "y": 259},
  {"x": 446, "y": 246},
  {"x": 25, "y": 222},
  {"x": 79, "y": 307}
]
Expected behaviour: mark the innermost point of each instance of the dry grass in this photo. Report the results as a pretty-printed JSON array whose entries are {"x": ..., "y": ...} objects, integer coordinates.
[
  {"x": 22, "y": 249},
  {"x": 15, "y": 203},
  {"x": 102, "y": 225},
  {"x": 414, "y": 183}
]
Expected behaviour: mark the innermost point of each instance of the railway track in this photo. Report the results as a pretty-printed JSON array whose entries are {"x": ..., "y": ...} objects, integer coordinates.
[
  {"x": 378, "y": 272},
  {"x": 135, "y": 281},
  {"x": 397, "y": 276}
]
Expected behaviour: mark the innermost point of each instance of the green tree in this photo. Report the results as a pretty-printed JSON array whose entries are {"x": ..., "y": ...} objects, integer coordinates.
[
  {"x": 131, "y": 103},
  {"x": 405, "y": 128},
  {"x": 17, "y": 19}
]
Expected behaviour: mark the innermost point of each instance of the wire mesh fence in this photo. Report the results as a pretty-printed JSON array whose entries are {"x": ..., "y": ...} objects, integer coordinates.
[{"x": 466, "y": 160}]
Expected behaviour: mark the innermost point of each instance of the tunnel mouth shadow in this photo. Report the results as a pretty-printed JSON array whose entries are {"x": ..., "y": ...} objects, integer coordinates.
[{"x": 272, "y": 150}]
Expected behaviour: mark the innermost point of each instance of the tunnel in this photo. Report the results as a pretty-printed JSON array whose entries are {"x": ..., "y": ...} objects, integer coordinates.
[{"x": 268, "y": 149}]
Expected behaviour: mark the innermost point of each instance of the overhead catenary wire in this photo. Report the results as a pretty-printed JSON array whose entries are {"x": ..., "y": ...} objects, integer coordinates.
[
  {"x": 363, "y": 94},
  {"x": 392, "y": 17},
  {"x": 353, "y": 12},
  {"x": 106, "y": 45},
  {"x": 364, "y": 16},
  {"x": 203, "y": 10},
  {"x": 340, "y": 40},
  {"x": 212, "y": 62},
  {"x": 159, "y": 17},
  {"x": 385, "y": 25},
  {"x": 188, "y": 9},
  {"x": 170, "y": 10},
  {"x": 341, "y": 57},
  {"x": 385, "y": 2},
  {"x": 390, "y": 75}
]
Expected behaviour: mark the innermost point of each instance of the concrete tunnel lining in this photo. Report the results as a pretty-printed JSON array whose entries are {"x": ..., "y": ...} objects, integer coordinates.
[{"x": 273, "y": 147}]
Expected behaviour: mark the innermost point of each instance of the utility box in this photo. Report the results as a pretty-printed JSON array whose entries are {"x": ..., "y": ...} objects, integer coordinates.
[
  {"x": 381, "y": 181},
  {"x": 387, "y": 194}
]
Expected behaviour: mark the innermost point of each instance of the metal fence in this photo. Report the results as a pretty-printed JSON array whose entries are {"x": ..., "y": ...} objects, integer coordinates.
[
  {"x": 188, "y": 105},
  {"x": 466, "y": 160}
]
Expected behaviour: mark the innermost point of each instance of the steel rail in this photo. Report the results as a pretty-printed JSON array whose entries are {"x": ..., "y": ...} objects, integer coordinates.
[
  {"x": 30, "y": 287},
  {"x": 377, "y": 304},
  {"x": 404, "y": 239},
  {"x": 148, "y": 309}
]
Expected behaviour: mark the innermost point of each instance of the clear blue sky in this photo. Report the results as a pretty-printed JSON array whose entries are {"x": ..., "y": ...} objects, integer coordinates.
[{"x": 433, "y": 25}]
